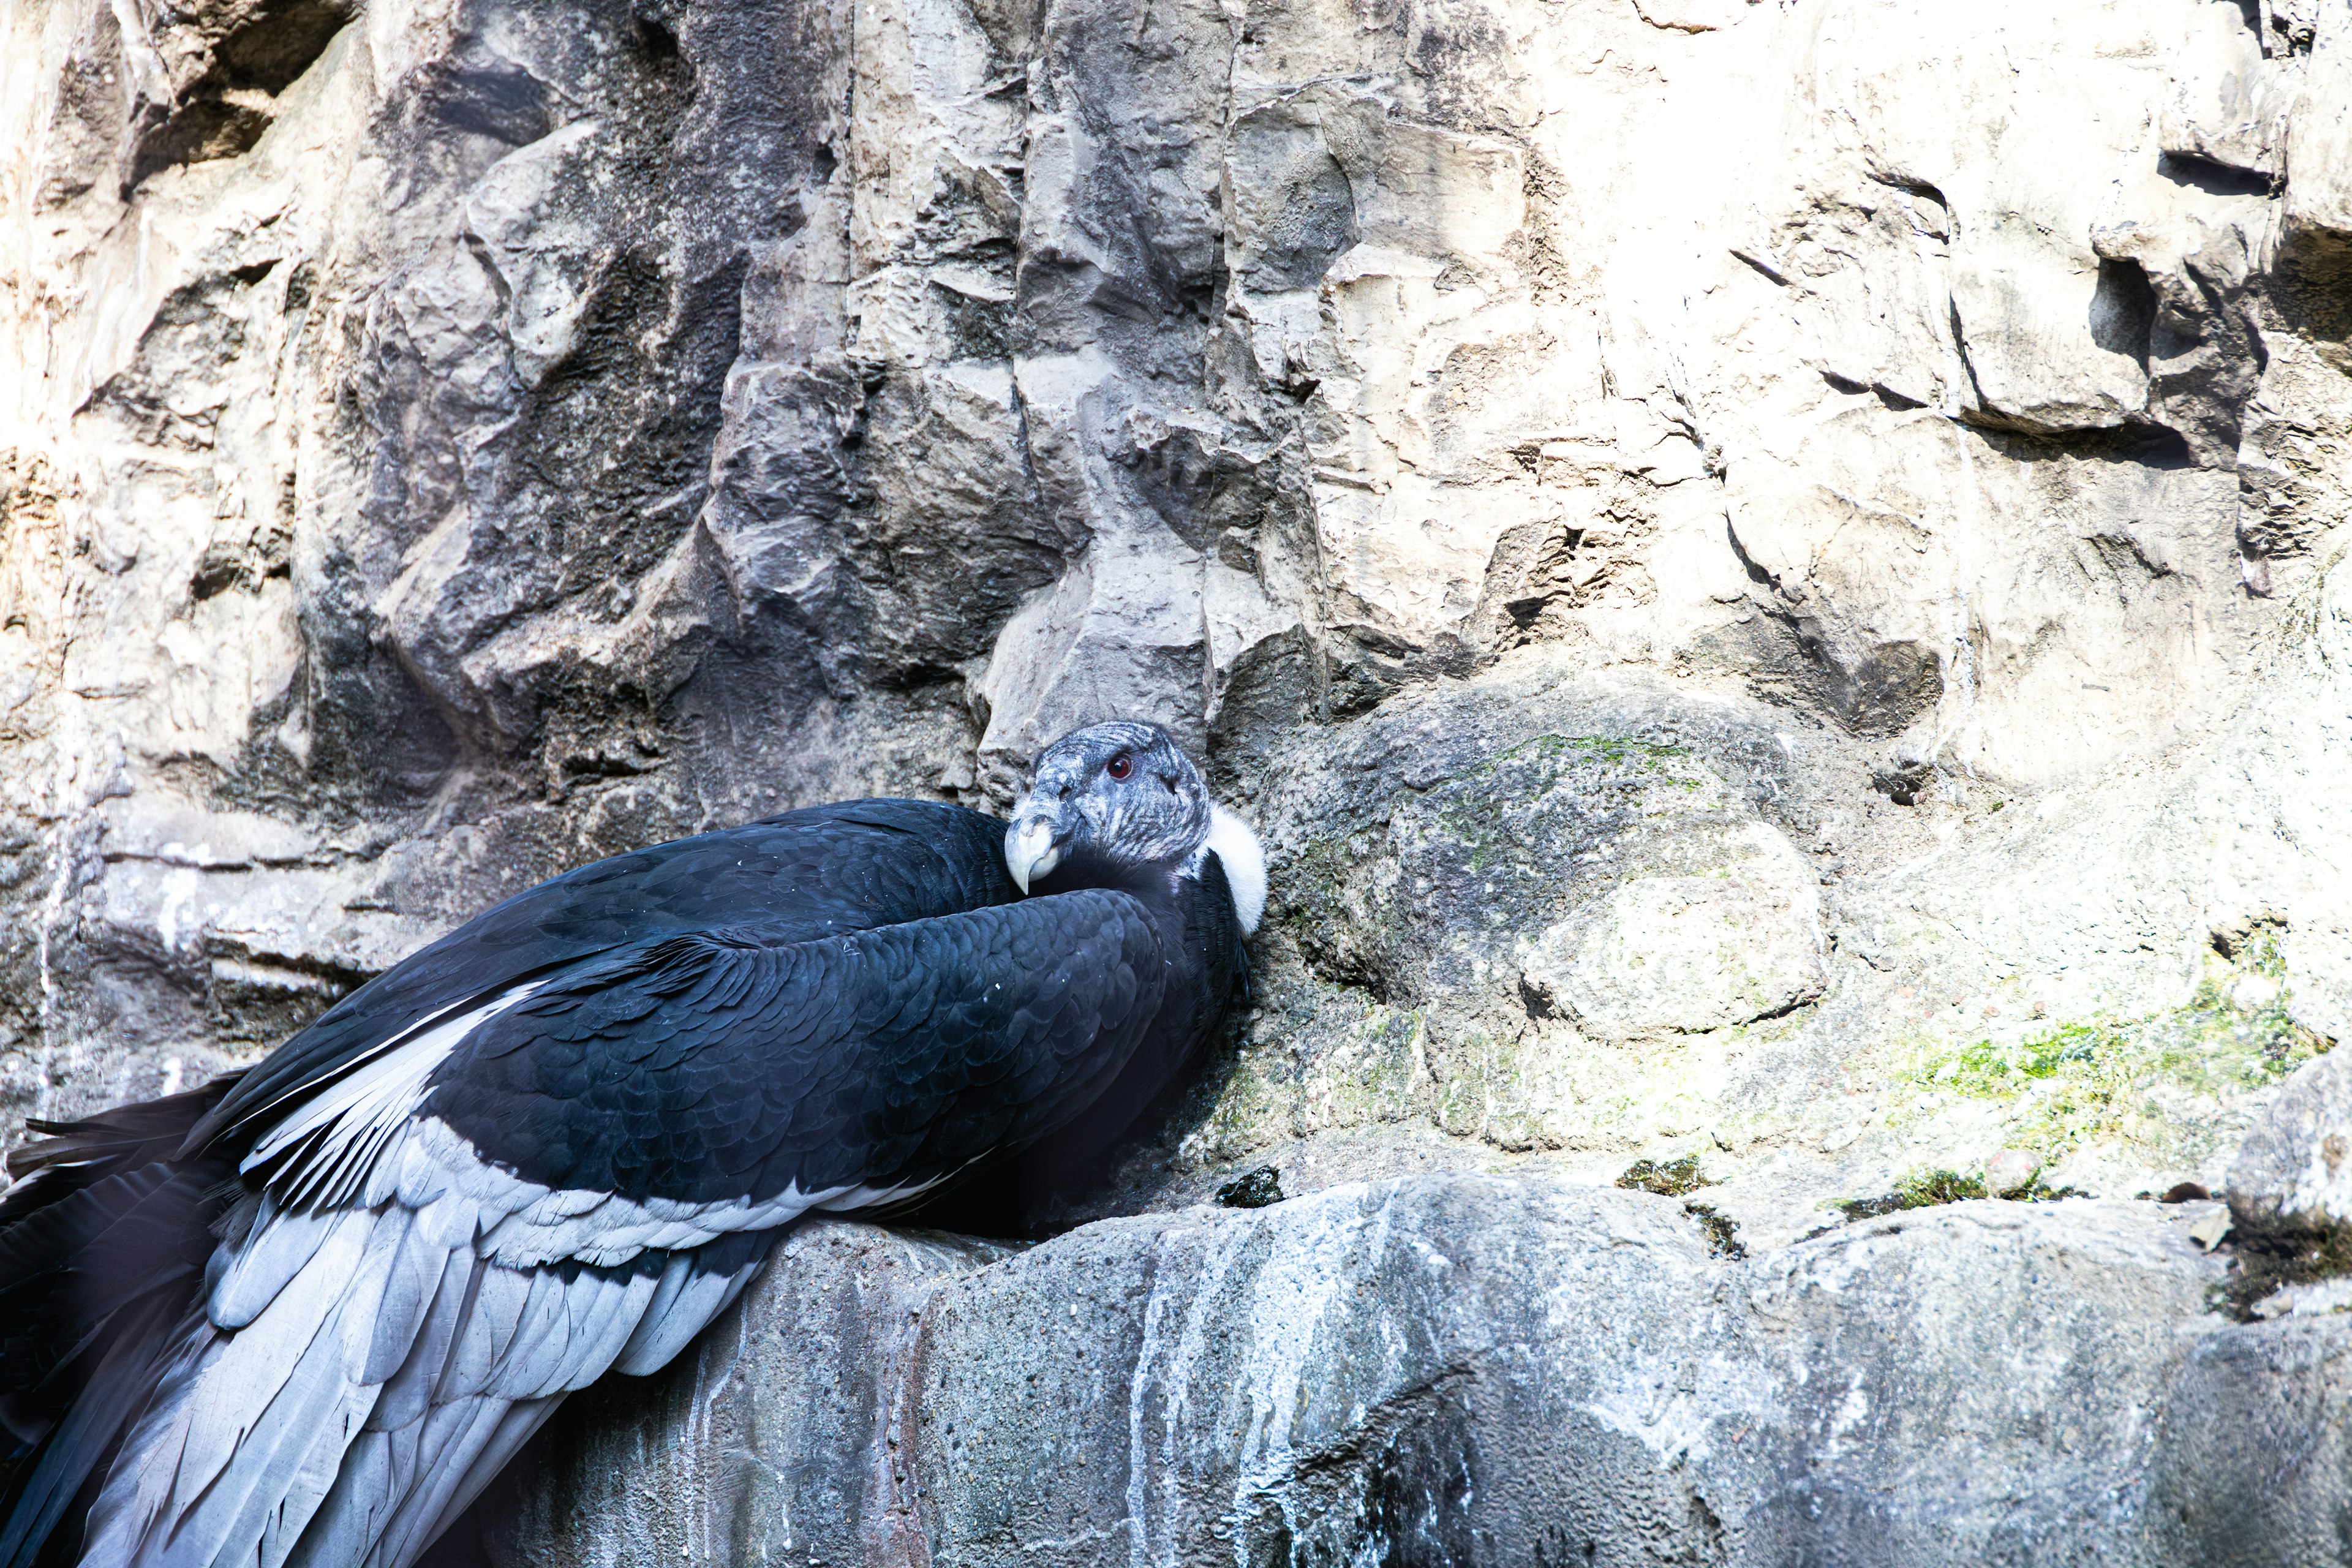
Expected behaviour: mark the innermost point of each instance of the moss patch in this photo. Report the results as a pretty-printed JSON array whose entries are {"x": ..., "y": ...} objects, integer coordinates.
[
  {"x": 2106, "y": 1078},
  {"x": 1253, "y": 1189},
  {"x": 1926, "y": 1189},
  {"x": 1671, "y": 1180},
  {"x": 1722, "y": 1235},
  {"x": 2037, "y": 1191},
  {"x": 1611, "y": 751},
  {"x": 1674, "y": 1179}
]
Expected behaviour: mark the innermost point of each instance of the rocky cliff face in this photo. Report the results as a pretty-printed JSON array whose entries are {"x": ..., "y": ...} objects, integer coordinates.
[{"x": 1766, "y": 572}]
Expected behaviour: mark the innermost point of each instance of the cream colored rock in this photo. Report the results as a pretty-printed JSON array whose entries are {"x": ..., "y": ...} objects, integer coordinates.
[
  {"x": 2230, "y": 103},
  {"x": 2319, "y": 142},
  {"x": 1670, "y": 956}
]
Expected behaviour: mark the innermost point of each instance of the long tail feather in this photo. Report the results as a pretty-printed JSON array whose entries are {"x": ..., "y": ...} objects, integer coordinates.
[
  {"x": 55, "y": 1484},
  {"x": 103, "y": 1239}
]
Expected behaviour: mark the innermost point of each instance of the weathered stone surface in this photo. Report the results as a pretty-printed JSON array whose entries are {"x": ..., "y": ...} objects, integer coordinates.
[
  {"x": 798, "y": 1401},
  {"x": 2295, "y": 1168},
  {"x": 1685, "y": 954},
  {"x": 1477, "y": 1369}
]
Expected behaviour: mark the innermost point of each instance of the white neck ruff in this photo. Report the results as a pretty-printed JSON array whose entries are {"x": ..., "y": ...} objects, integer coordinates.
[{"x": 1237, "y": 850}]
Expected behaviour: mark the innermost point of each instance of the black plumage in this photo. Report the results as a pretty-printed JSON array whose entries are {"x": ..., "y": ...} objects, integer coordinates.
[
  {"x": 301, "y": 1315},
  {"x": 807, "y": 873},
  {"x": 723, "y": 1063}
]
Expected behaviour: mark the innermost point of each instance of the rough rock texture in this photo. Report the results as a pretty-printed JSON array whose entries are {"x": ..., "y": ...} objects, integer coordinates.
[
  {"x": 2291, "y": 1170},
  {"x": 1772, "y": 573},
  {"x": 1472, "y": 1370}
]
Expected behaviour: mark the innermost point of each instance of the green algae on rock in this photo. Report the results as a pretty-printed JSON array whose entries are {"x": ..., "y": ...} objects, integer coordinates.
[{"x": 2137, "y": 1080}]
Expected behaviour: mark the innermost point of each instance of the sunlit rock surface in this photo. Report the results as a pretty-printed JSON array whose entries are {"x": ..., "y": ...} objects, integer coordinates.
[{"x": 1769, "y": 574}]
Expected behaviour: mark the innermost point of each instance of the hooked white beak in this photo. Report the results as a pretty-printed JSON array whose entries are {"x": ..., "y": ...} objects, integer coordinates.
[{"x": 1030, "y": 850}]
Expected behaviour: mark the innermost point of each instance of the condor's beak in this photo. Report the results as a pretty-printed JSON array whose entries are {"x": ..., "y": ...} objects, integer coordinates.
[{"x": 1030, "y": 851}]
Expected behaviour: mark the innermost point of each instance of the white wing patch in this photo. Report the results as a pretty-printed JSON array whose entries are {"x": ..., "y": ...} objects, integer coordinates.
[
  {"x": 523, "y": 1225},
  {"x": 1238, "y": 851},
  {"x": 337, "y": 1137}
]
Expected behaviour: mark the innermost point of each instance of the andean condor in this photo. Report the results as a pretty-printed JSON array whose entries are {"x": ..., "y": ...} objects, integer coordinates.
[{"x": 301, "y": 1316}]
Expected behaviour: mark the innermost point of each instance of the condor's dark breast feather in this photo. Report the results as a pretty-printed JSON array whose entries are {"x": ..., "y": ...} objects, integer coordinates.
[{"x": 735, "y": 1062}]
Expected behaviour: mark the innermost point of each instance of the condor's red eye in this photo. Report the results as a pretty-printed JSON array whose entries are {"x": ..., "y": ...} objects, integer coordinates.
[{"x": 1120, "y": 766}]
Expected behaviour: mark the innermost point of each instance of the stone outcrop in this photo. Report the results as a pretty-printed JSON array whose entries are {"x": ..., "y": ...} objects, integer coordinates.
[
  {"x": 1772, "y": 574},
  {"x": 1470, "y": 1370},
  {"x": 2290, "y": 1171}
]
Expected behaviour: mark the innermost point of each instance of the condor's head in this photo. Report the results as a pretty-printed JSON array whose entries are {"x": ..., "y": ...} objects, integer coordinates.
[{"x": 1114, "y": 800}]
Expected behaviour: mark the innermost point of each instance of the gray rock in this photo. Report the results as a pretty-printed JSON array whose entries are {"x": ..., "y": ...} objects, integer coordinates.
[
  {"x": 1476, "y": 1370},
  {"x": 794, "y": 1400},
  {"x": 2294, "y": 1169}
]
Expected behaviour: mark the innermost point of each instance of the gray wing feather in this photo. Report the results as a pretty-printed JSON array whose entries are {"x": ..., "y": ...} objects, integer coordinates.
[
  {"x": 411, "y": 1281},
  {"x": 486, "y": 1332},
  {"x": 449, "y": 1440},
  {"x": 379, "y": 1473},
  {"x": 284, "y": 1518},
  {"x": 369, "y": 1369},
  {"x": 289, "y": 1456},
  {"x": 541, "y": 1336},
  {"x": 268, "y": 1475},
  {"x": 410, "y": 1388},
  {"x": 401, "y": 1489},
  {"x": 567, "y": 1333},
  {"x": 430, "y": 1449},
  {"x": 613, "y": 1312},
  {"x": 348, "y": 1522},
  {"x": 514, "y": 1429},
  {"x": 241, "y": 1378},
  {"x": 281, "y": 1245},
  {"x": 689, "y": 1298},
  {"x": 124, "y": 1517}
]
